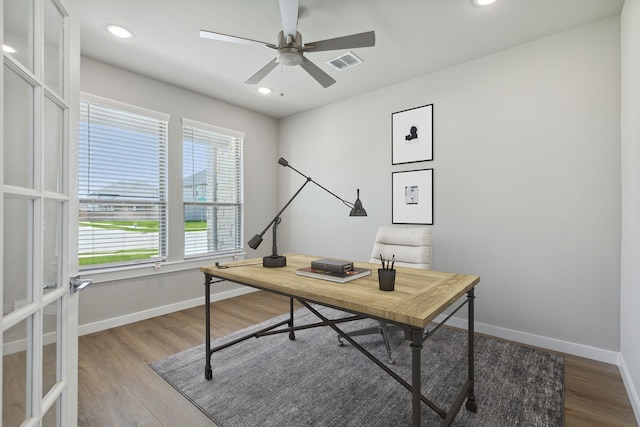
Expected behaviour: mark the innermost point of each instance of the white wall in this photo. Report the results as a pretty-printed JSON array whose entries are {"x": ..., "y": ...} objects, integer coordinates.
[
  {"x": 527, "y": 181},
  {"x": 630, "y": 267},
  {"x": 115, "y": 302}
]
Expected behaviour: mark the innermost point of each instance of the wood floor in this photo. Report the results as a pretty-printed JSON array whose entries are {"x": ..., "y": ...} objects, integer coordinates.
[{"x": 117, "y": 388}]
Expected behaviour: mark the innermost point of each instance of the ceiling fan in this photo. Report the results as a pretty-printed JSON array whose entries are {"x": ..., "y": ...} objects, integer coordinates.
[{"x": 290, "y": 50}]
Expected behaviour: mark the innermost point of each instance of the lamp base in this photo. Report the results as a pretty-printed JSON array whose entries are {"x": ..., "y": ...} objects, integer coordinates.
[{"x": 274, "y": 261}]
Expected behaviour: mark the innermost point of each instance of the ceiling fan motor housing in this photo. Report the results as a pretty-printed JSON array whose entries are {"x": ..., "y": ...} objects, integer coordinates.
[{"x": 289, "y": 50}]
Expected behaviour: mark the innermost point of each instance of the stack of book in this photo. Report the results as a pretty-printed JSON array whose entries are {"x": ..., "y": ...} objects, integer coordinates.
[{"x": 335, "y": 270}]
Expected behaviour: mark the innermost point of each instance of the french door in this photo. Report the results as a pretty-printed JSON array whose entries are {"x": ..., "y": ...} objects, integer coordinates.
[{"x": 38, "y": 123}]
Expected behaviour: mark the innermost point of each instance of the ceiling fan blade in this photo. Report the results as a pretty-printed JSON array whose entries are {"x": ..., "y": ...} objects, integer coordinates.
[
  {"x": 320, "y": 76},
  {"x": 257, "y": 77},
  {"x": 233, "y": 39},
  {"x": 289, "y": 14},
  {"x": 353, "y": 41}
]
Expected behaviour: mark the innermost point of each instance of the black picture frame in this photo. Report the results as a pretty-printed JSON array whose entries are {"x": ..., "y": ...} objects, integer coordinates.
[
  {"x": 412, "y": 135},
  {"x": 412, "y": 197}
]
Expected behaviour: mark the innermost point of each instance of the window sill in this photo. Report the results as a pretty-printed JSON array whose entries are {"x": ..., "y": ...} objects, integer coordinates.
[{"x": 148, "y": 270}]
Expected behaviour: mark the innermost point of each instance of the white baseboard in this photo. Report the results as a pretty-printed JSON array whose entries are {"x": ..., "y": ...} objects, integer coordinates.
[
  {"x": 509, "y": 334},
  {"x": 631, "y": 389},
  {"x": 21, "y": 345},
  {"x": 553, "y": 344},
  {"x": 102, "y": 325}
]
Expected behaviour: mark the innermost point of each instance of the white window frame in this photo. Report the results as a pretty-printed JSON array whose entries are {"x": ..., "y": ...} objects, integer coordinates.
[
  {"x": 212, "y": 248},
  {"x": 162, "y": 117},
  {"x": 176, "y": 260}
]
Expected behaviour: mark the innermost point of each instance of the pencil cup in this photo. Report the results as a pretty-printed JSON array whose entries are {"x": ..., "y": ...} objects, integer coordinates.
[{"x": 386, "y": 279}]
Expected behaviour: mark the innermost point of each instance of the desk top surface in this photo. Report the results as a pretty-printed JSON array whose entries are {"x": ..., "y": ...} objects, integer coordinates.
[{"x": 419, "y": 295}]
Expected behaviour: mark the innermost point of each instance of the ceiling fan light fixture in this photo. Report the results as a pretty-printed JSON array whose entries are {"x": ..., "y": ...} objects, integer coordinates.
[
  {"x": 289, "y": 57},
  {"x": 8, "y": 49},
  {"x": 264, "y": 90},
  {"x": 483, "y": 2},
  {"x": 119, "y": 31}
]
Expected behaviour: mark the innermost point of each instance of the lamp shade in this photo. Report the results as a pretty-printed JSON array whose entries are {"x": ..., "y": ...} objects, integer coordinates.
[
  {"x": 357, "y": 209},
  {"x": 255, "y": 241}
]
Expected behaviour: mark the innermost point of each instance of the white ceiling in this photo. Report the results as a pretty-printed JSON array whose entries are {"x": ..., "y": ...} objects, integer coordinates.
[{"x": 413, "y": 37}]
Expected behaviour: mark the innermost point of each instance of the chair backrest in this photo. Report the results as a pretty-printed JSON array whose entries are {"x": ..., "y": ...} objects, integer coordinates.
[{"x": 410, "y": 245}]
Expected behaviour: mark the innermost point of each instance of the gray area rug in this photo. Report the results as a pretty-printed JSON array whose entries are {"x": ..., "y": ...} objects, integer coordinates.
[{"x": 272, "y": 381}]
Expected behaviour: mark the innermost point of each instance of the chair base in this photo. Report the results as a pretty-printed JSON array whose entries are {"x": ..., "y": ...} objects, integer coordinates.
[{"x": 382, "y": 329}]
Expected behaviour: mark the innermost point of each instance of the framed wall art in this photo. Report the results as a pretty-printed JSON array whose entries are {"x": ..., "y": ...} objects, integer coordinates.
[
  {"x": 412, "y": 197},
  {"x": 412, "y": 135}
]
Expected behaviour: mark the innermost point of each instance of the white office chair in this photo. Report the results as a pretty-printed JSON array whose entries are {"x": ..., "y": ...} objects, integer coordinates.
[{"x": 409, "y": 247}]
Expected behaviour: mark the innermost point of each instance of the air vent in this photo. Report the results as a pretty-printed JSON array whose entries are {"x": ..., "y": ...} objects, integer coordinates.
[{"x": 345, "y": 61}]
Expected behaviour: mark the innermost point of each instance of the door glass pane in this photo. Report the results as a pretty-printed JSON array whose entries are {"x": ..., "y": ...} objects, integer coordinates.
[
  {"x": 52, "y": 241},
  {"x": 18, "y": 130},
  {"x": 18, "y": 30},
  {"x": 18, "y": 243},
  {"x": 50, "y": 348},
  {"x": 53, "y": 159},
  {"x": 50, "y": 419},
  {"x": 14, "y": 372},
  {"x": 53, "y": 47}
]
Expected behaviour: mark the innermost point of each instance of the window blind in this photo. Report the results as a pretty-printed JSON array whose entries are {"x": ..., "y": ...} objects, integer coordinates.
[
  {"x": 122, "y": 184},
  {"x": 212, "y": 189}
]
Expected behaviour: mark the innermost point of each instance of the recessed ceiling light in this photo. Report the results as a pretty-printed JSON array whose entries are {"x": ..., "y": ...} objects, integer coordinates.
[
  {"x": 8, "y": 49},
  {"x": 119, "y": 31},
  {"x": 264, "y": 90},
  {"x": 483, "y": 2}
]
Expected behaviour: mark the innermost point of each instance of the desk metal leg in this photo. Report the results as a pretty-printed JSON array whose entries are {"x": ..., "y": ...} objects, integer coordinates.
[
  {"x": 292, "y": 335},
  {"x": 208, "y": 373},
  {"x": 471, "y": 404},
  {"x": 416, "y": 373}
]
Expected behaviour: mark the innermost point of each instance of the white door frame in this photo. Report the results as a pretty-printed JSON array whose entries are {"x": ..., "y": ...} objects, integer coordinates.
[{"x": 61, "y": 394}]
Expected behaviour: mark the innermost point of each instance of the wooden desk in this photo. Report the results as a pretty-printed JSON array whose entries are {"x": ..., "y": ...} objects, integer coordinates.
[{"x": 419, "y": 297}]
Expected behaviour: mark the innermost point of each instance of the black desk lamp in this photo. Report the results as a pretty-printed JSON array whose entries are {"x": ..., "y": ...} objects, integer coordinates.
[{"x": 275, "y": 260}]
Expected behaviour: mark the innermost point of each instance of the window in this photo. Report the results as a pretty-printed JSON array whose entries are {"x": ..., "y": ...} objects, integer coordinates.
[
  {"x": 212, "y": 189},
  {"x": 122, "y": 184}
]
